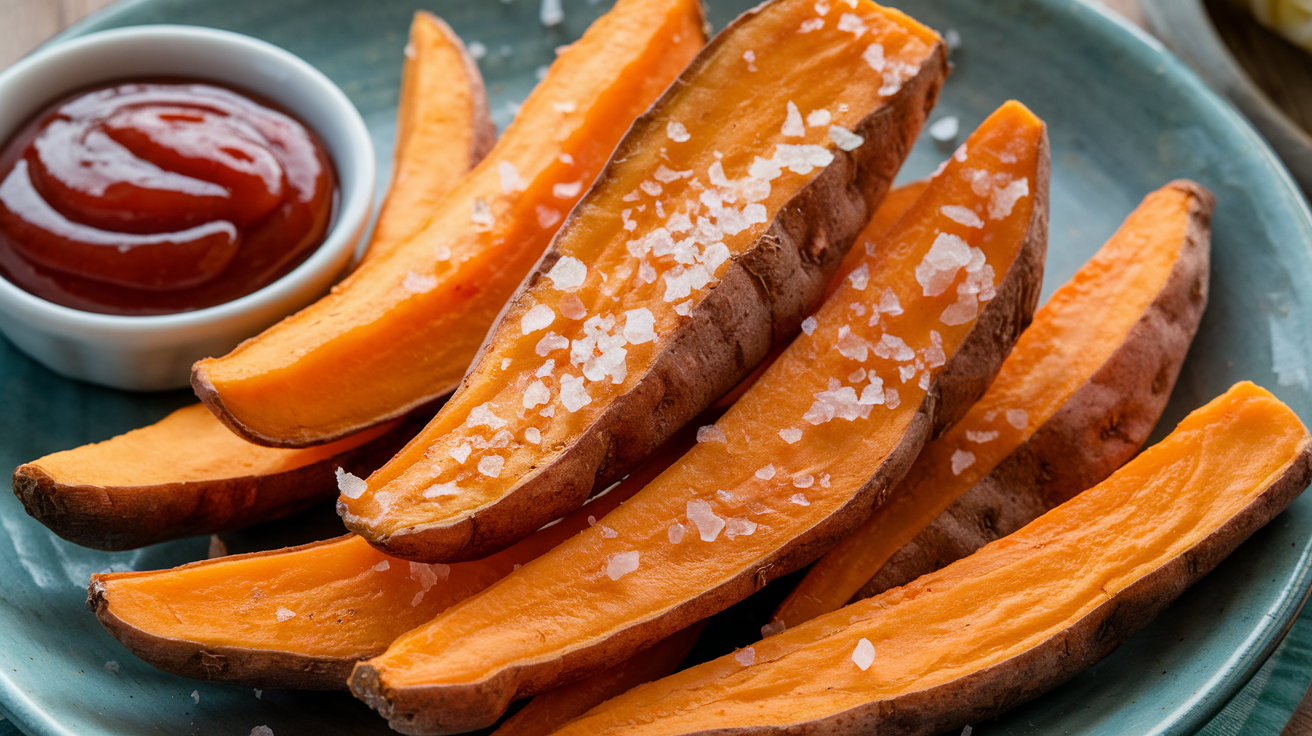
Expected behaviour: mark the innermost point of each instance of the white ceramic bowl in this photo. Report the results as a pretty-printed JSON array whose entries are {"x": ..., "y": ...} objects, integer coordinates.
[{"x": 156, "y": 352}]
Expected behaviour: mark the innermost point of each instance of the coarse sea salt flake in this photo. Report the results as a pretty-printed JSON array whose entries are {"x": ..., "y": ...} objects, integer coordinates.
[
  {"x": 606, "y": 532},
  {"x": 551, "y": 13},
  {"x": 675, "y": 533},
  {"x": 809, "y": 324},
  {"x": 651, "y": 188},
  {"x": 505, "y": 363},
  {"x": 891, "y": 398},
  {"x": 944, "y": 130},
  {"x": 350, "y": 485},
  {"x": 418, "y": 283},
  {"x": 791, "y": 434},
  {"x": 980, "y": 437},
  {"x": 799, "y": 499},
  {"x": 1018, "y": 418},
  {"x": 621, "y": 564},
  {"x": 566, "y": 190},
  {"x": 772, "y": 628},
  {"x": 766, "y": 473},
  {"x": 261, "y": 730},
  {"x": 538, "y": 318},
  {"x": 564, "y": 106},
  {"x": 383, "y": 566},
  {"x": 851, "y": 345},
  {"x": 844, "y": 138},
  {"x": 1004, "y": 199},
  {"x": 814, "y": 24},
  {"x": 510, "y": 181},
  {"x": 572, "y": 393},
  {"x": 677, "y": 132},
  {"x": 548, "y": 366},
  {"x": 851, "y": 22},
  {"x": 491, "y": 465},
  {"x": 892, "y": 347},
  {"x": 864, "y": 654},
  {"x": 461, "y": 453},
  {"x": 639, "y": 326},
  {"x": 442, "y": 252},
  {"x": 533, "y": 435},
  {"x": 859, "y": 277},
  {"x": 961, "y": 215},
  {"x": 739, "y": 527},
  {"x": 803, "y": 481},
  {"x": 482, "y": 416},
  {"x": 874, "y": 56},
  {"x": 283, "y": 613},
  {"x": 707, "y": 523},
  {"x": 568, "y": 273},
  {"x": 962, "y": 459},
  {"x": 437, "y": 490},
  {"x": 745, "y": 656},
  {"x": 572, "y": 307},
  {"x": 711, "y": 433},
  {"x": 793, "y": 126},
  {"x": 817, "y": 118},
  {"x": 536, "y": 394},
  {"x": 481, "y": 215},
  {"x": 724, "y": 496},
  {"x": 938, "y": 269},
  {"x": 547, "y": 216},
  {"x": 873, "y": 393}
]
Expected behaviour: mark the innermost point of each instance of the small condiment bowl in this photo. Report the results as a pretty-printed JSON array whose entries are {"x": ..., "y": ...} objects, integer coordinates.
[{"x": 155, "y": 352}]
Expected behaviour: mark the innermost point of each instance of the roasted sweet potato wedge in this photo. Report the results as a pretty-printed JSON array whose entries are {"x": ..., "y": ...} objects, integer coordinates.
[
  {"x": 185, "y": 475},
  {"x": 670, "y": 281},
  {"x": 1076, "y": 398},
  {"x": 400, "y": 331},
  {"x": 302, "y": 617},
  {"x": 912, "y": 338},
  {"x": 1016, "y": 618},
  {"x": 443, "y": 129}
]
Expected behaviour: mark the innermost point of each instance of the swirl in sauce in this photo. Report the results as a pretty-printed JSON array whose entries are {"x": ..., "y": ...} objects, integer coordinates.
[{"x": 159, "y": 197}]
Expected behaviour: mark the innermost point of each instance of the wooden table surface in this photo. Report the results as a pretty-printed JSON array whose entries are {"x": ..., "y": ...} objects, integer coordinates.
[{"x": 26, "y": 23}]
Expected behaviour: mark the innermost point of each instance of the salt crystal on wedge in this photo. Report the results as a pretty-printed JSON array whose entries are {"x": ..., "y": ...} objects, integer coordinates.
[
  {"x": 533, "y": 435},
  {"x": 482, "y": 416},
  {"x": 793, "y": 126},
  {"x": 766, "y": 473},
  {"x": 675, "y": 533},
  {"x": 568, "y": 273},
  {"x": 283, "y": 614},
  {"x": 790, "y": 434},
  {"x": 844, "y": 138},
  {"x": 864, "y": 654},
  {"x": 979, "y": 437},
  {"x": 947, "y": 255},
  {"x": 537, "y": 318},
  {"x": 799, "y": 499},
  {"x": 772, "y": 628},
  {"x": 383, "y": 566},
  {"x": 350, "y": 485},
  {"x": 961, "y": 215},
  {"x": 1018, "y": 418},
  {"x": 851, "y": 22},
  {"x": 745, "y": 657},
  {"x": 962, "y": 459},
  {"x": 438, "y": 490},
  {"x": 621, "y": 564},
  {"x": 711, "y": 433},
  {"x": 461, "y": 453},
  {"x": 572, "y": 393},
  {"x": 818, "y": 117},
  {"x": 707, "y": 523},
  {"x": 551, "y": 342},
  {"x": 491, "y": 465},
  {"x": 417, "y": 283},
  {"x": 639, "y": 326},
  {"x": 677, "y": 132},
  {"x": 510, "y": 180},
  {"x": 739, "y": 527},
  {"x": 566, "y": 190},
  {"x": 803, "y": 481},
  {"x": 809, "y": 324}
]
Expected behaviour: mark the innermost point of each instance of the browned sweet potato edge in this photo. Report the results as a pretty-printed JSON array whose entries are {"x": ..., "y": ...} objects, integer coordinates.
[
  {"x": 117, "y": 518},
  {"x": 967, "y": 374},
  {"x": 1100, "y": 427},
  {"x": 759, "y": 303}
]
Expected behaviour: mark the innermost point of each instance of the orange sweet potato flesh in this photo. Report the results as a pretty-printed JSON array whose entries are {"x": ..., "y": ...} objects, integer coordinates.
[
  {"x": 551, "y": 710},
  {"x": 443, "y": 129},
  {"x": 1075, "y": 399},
  {"x": 1016, "y": 618},
  {"x": 779, "y": 479},
  {"x": 219, "y": 619},
  {"x": 400, "y": 331},
  {"x": 670, "y": 281},
  {"x": 186, "y": 475}
]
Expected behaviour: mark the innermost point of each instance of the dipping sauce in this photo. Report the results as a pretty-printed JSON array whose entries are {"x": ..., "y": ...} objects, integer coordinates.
[{"x": 160, "y": 197}]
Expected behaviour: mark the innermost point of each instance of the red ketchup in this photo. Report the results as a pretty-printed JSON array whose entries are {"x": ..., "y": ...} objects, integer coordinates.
[{"x": 159, "y": 197}]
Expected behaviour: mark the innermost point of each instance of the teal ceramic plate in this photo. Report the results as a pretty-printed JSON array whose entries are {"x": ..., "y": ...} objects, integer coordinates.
[{"x": 1124, "y": 117}]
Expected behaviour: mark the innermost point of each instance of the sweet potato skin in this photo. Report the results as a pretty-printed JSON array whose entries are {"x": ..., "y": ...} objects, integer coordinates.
[
  {"x": 1096, "y": 431},
  {"x": 966, "y": 375},
  {"x": 128, "y": 517},
  {"x": 758, "y": 304}
]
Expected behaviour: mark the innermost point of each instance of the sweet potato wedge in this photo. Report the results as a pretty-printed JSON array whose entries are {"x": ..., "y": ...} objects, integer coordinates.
[
  {"x": 793, "y": 466},
  {"x": 443, "y": 129},
  {"x": 670, "y": 281},
  {"x": 400, "y": 331},
  {"x": 302, "y": 617},
  {"x": 1075, "y": 399},
  {"x": 1016, "y": 618},
  {"x": 185, "y": 475}
]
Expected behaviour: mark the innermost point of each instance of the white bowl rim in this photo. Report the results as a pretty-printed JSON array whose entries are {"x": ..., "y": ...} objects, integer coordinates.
[{"x": 355, "y": 198}]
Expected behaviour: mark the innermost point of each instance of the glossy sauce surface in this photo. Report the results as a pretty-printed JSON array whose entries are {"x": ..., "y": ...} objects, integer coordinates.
[{"x": 159, "y": 197}]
